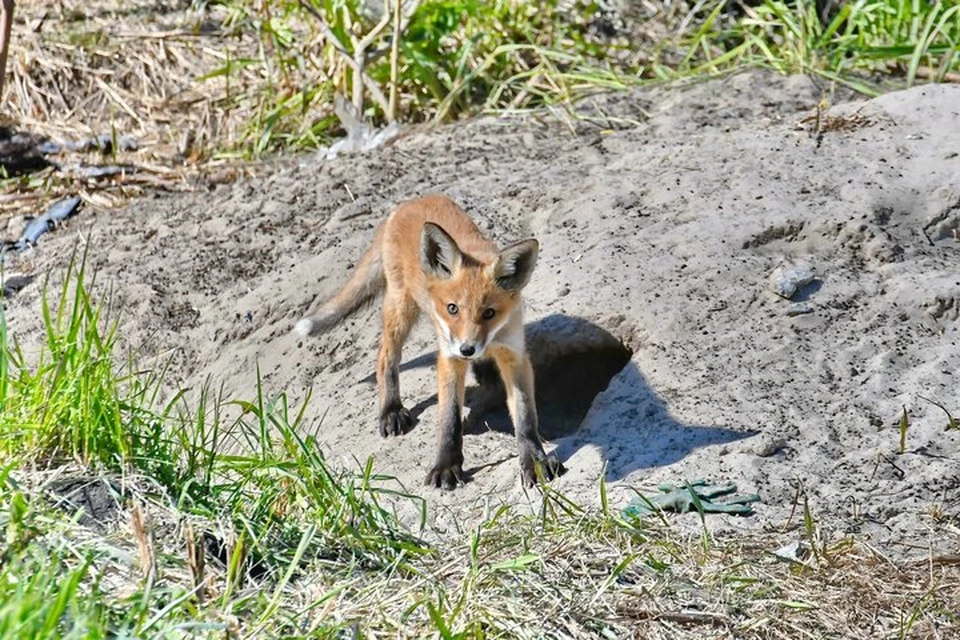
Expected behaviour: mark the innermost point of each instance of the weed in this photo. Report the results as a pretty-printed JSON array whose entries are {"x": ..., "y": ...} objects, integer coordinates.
[
  {"x": 904, "y": 425},
  {"x": 952, "y": 423}
]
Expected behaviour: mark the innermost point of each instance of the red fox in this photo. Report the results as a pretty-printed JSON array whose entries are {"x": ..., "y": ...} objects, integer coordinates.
[{"x": 428, "y": 256}]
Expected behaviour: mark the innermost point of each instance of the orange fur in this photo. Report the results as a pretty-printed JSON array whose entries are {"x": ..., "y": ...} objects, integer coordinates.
[{"x": 428, "y": 256}]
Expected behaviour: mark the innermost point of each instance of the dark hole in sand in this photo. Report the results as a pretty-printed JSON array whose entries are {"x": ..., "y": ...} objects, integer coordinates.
[{"x": 573, "y": 359}]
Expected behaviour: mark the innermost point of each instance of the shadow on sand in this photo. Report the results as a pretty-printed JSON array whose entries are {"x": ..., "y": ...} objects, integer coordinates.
[{"x": 589, "y": 393}]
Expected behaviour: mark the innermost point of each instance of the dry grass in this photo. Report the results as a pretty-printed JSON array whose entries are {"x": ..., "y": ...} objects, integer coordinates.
[
  {"x": 87, "y": 68},
  {"x": 562, "y": 573},
  {"x": 159, "y": 563},
  {"x": 125, "y": 68},
  {"x": 203, "y": 87}
]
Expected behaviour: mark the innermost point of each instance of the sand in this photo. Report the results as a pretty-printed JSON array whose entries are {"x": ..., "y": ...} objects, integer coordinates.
[{"x": 662, "y": 352}]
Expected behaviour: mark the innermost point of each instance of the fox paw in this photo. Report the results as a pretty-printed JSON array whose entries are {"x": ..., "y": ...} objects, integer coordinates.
[
  {"x": 445, "y": 476},
  {"x": 395, "y": 422},
  {"x": 536, "y": 465}
]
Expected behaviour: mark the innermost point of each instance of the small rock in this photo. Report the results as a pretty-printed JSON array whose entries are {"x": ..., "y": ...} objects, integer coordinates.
[
  {"x": 799, "y": 309},
  {"x": 786, "y": 281},
  {"x": 15, "y": 282},
  {"x": 768, "y": 446},
  {"x": 15, "y": 225}
]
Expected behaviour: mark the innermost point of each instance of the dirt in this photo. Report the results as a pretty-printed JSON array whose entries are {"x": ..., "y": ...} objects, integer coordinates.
[{"x": 661, "y": 351}]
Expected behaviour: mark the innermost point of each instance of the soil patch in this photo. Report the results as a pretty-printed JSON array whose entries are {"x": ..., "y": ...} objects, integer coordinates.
[{"x": 662, "y": 235}]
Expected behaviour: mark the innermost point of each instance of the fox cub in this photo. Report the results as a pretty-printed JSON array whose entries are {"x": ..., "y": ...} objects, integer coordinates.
[{"x": 428, "y": 256}]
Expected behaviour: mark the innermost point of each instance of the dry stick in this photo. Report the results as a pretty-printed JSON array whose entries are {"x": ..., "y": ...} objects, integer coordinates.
[
  {"x": 360, "y": 58},
  {"x": 6, "y": 25},
  {"x": 927, "y": 73},
  {"x": 394, "y": 57},
  {"x": 376, "y": 54},
  {"x": 195, "y": 561},
  {"x": 331, "y": 37},
  {"x": 145, "y": 543}
]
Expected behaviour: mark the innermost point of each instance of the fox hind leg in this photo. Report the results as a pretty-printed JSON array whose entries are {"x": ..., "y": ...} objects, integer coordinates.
[
  {"x": 517, "y": 373},
  {"x": 399, "y": 315},
  {"x": 486, "y": 373}
]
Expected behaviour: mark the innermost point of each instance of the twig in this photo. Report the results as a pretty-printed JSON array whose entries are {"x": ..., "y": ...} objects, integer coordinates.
[
  {"x": 360, "y": 57},
  {"x": 195, "y": 561},
  {"x": 160, "y": 35},
  {"x": 331, "y": 37},
  {"x": 376, "y": 54},
  {"x": 6, "y": 25},
  {"x": 145, "y": 543},
  {"x": 681, "y": 617},
  {"x": 927, "y": 73},
  {"x": 394, "y": 57}
]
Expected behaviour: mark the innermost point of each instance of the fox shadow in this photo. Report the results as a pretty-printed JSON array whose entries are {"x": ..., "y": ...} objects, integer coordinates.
[{"x": 589, "y": 393}]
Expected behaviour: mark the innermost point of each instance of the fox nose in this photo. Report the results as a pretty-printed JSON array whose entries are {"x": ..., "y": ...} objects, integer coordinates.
[{"x": 467, "y": 350}]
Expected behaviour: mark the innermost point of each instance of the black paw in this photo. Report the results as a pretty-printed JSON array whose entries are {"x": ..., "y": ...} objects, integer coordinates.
[
  {"x": 445, "y": 475},
  {"x": 395, "y": 422},
  {"x": 537, "y": 466}
]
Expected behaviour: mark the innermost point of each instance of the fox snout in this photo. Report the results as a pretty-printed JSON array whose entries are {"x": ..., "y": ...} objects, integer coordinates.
[{"x": 466, "y": 350}]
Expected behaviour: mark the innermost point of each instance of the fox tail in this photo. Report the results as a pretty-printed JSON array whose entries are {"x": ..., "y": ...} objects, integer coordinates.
[{"x": 365, "y": 284}]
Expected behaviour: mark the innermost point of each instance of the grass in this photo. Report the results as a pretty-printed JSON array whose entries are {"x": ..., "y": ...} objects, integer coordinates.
[
  {"x": 132, "y": 509},
  {"x": 209, "y": 86},
  {"x": 860, "y": 44},
  {"x": 215, "y": 517}
]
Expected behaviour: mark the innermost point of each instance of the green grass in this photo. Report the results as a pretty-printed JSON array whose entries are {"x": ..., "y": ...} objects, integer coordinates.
[
  {"x": 265, "y": 492},
  {"x": 251, "y": 78},
  {"x": 454, "y": 58},
  {"x": 858, "y": 44},
  {"x": 461, "y": 57},
  {"x": 229, "y": 522}
]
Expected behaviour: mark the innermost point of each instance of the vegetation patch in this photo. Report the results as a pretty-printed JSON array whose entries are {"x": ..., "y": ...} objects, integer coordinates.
[
  {"x": 133, "y": 509},
  {"x": 202, "y": 85},
  {"x": 128, "y": 512}
]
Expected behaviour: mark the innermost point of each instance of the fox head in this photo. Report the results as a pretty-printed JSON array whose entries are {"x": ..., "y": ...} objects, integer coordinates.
[{"x": 472, "y": 301}]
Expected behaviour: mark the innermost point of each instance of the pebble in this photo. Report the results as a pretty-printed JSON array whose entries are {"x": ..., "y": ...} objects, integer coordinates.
[
  {"x": 786, "y": 281},
  {"x": 799, "y": 309},
  {"x": 769, "y": 446}
]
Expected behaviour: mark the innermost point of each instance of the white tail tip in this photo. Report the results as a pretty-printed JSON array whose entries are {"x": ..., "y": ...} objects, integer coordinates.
[{"x": 304, "y": 327}]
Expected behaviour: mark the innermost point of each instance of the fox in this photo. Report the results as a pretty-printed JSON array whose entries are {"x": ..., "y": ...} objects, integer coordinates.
[{"x": 428, "y": 257}]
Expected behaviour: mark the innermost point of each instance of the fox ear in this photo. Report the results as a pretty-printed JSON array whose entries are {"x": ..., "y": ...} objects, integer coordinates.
[
  {"x": 439, "y": 254},
  {"x": 515, "y": 266}
]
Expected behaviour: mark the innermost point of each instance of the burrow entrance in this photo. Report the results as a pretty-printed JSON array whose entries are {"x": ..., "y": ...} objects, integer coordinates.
[{"x": 573, "y": 360}]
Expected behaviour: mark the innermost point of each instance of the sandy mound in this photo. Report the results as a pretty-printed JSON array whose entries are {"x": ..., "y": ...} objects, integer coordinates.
[{"x": 658, "y": 239}]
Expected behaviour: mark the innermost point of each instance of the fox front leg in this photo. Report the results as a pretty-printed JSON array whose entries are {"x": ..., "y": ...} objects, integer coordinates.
[
  {"x": 517, "y": 373},
  {"x": 399, "y": 314},
  {"x": 447, "y": 472}
]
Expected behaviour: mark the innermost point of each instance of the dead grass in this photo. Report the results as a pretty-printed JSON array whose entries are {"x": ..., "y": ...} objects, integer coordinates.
[
  {"x": 125, "y": 68},
  {"x": 132, "y": 68},
  {"x": 85, "y": 69},
  {"x": 561, "y": 573}
]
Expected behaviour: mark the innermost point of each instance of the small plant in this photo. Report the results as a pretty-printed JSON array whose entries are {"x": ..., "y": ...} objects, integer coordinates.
[
  {"x": 952, "y": 423},
  {"x": 418, "y": 60},
  {"x": 904, "y": 425},
  {"x": 810, "y": 530}
]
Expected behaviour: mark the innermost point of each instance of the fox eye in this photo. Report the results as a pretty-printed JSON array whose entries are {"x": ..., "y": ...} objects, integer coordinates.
[
  {"x": 452, "y": 309},
  {"x": 489, "y": 313}
]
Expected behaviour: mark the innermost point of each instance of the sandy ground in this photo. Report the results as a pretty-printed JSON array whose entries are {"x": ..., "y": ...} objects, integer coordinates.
[{"x": 661, "y": 351}]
